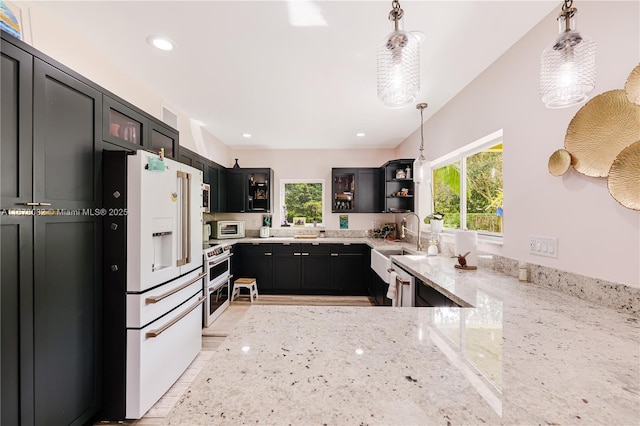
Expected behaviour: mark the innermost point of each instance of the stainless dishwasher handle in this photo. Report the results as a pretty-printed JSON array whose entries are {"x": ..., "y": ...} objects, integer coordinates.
[
  {"x": 156, "y": 299},
  {"x": 398, "y": 279},
  {"x": 159, "y": 331}
]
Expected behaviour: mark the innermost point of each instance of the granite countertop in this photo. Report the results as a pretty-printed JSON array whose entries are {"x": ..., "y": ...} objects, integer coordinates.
[{"x": 521, "y": 355}]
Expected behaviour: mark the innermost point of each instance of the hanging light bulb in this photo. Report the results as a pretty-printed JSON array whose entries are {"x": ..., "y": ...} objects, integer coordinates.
[
  {"x": 399, "y": 63},
  {"x": 420, "y": 165},
  {"x": 568, "y": 66}
]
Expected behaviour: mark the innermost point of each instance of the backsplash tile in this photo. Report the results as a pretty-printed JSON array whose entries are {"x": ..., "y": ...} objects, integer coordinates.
[{"x": 612, "y": 295}]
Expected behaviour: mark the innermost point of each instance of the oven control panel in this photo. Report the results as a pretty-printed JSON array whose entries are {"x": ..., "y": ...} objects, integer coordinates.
[{"x": 216, "y": 251}]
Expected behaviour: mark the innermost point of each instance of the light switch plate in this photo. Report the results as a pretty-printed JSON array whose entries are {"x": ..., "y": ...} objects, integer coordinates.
[{"x": 543, "y": 246}]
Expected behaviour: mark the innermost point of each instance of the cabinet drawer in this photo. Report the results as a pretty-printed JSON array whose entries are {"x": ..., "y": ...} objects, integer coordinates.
[
  {"x": 286, "y": 249},
  {"x": 256, "y": 249},
  {"x": 347, "y": 248},
  {"x": 315, "y": 249}
]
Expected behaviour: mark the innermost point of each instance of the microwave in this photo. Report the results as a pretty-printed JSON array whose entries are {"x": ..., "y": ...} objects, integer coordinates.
[
  {"x": 206, "y": 198},
  {"x": 227, "y": 229}
]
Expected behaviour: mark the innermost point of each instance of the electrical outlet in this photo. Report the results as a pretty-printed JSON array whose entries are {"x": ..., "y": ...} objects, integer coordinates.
[
  {"x": 254, "y": 223},
  {"x": 374, "y": 225},
  {"x": 543, "y": 246}
]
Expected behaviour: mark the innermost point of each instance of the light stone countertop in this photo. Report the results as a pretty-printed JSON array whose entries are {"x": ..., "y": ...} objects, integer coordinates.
[{"x": 522, "y": 355}]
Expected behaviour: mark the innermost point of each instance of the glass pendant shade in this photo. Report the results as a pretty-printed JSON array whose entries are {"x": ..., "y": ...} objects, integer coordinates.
[
  {"x": 568, "y": 66},
  {"x": 420, "y": 168},
  {"x": 399, "y": 68}
]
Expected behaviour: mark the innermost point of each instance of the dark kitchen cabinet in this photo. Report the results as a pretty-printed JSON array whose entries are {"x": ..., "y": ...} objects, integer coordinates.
[
  {"x": 316, "y": 263},
  {"x": 51, "y": 249},
  {"x": 302, "y": 267},
  {"x": 122, "y": 125},
  {"x": 163, "y": 137},
  {"x": 349, "y": 265},
  {"x": 287, "y": 267},
  {"x": 256, "y": 261},
  {"x": 16, "y": 271},
  {"x": 306, "y": 268},
  {"x": 399, "y": 188},
  {"x": 378, "y": 290},
  {"x": 213, "y": 174},
  {"x": 131, "y": 129},
  {"x": 249, "y": 190},
  {"x": 427, "y": 296},
  {"x": 356, "y": 190}
]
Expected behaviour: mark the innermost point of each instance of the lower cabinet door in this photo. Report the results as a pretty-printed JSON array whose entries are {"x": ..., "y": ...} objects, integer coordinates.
[
  {"x": 287, "y": 267},
  {"x": 256, "y": 261},
  {"x": 67, "y": 326},
  {"x": 348, "y": 269},
  {"x": 316, "y": 267}
]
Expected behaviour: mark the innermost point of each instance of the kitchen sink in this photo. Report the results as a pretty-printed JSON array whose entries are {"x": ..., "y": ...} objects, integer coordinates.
[
  {"x": 381, "y": 260},
  {"x": 394, "y": 252}
]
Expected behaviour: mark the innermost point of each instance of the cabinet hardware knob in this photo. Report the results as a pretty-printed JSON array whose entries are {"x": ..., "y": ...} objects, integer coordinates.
[
  {"x": 116, "y": 194},
  {"x": 114, "y": 268},
  {"x": 114, "y": 226}
]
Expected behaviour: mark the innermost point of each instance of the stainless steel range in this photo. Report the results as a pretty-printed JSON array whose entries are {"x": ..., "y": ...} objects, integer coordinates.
[{"x": 217, "y": 285}]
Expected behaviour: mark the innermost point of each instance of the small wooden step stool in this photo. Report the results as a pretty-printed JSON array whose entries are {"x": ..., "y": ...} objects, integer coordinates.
[{"x": 248, "y": 283}]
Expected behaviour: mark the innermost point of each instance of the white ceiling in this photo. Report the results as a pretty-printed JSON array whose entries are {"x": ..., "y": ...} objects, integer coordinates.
[{"x": 241, "y": 66}]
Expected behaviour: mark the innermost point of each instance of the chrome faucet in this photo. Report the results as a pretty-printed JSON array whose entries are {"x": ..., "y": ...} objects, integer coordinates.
[{"x": 403, "y": 228}]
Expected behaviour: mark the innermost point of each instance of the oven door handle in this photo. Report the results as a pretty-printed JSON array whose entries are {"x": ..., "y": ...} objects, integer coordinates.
[
  {"x": 215, "y": 262},
  {"x": 159, "y": 331},
  {"x": 156, "y": 299},
  {"x": 212, "y": 289}
]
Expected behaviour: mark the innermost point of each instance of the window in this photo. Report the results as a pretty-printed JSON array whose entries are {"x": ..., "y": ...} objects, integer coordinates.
[
  {"x": 302, "y": 198},
  {"x": 467, "y": 186}
]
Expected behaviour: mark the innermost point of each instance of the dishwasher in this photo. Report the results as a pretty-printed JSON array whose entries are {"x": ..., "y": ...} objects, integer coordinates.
[{"x": 406, "y": 286}]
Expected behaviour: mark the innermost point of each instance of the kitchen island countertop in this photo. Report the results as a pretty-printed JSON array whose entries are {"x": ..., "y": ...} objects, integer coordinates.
[{"x": 521, "y": 355}]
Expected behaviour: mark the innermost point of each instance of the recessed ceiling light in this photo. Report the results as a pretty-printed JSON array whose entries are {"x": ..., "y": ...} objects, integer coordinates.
[
  {"x": 161, "y": 43},
  {"x": 246, "y": 135},
  {"x": 361, "y": 134}
]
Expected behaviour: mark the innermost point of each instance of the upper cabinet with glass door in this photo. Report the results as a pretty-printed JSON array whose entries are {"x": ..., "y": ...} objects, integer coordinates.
[
  {"x": 122, "y": 125},
  {"x": 133, "y": 129},
  {"x": 163, "y": 139},
  {"x": 344, "y": 188}
]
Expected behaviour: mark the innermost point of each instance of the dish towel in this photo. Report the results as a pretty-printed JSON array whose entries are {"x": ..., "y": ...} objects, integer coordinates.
[{"x": 392, "y": 292}]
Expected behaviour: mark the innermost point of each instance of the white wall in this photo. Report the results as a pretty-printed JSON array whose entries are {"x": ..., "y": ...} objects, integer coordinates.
[
  {"x": 597, "y": 236},
  {"x": 52, "y": 38}
]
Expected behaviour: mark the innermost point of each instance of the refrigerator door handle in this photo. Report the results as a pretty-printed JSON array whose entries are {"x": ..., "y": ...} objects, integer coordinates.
[
  {"x": 156, "y": 299},
  {"x": 185, "y": 219},
  {"x": 157, "y": 332}
]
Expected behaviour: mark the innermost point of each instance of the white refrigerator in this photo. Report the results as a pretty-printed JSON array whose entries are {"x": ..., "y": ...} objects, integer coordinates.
[{"x": 153, "y": 278}]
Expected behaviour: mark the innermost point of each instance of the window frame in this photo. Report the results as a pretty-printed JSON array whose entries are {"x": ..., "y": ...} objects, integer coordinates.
[
  {"x": 461, "y": 154},
  {"x": 283, "y": 182}
]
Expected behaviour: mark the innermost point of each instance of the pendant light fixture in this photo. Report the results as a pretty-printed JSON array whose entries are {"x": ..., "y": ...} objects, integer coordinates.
[
  {"x": 420, "y": 165},
  {"x": 399, "y": 63},
  {"x": 568, "y": 66}
]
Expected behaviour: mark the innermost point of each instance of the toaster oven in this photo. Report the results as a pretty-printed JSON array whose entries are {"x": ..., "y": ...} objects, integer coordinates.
[{"x": 221, "y": 229}]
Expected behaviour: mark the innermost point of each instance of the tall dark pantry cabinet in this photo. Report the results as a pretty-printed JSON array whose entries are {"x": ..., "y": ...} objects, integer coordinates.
[{"x": 50, "y": 288}]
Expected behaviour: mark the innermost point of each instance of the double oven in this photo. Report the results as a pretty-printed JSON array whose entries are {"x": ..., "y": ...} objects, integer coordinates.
[{"x": 217, "y": 284}]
